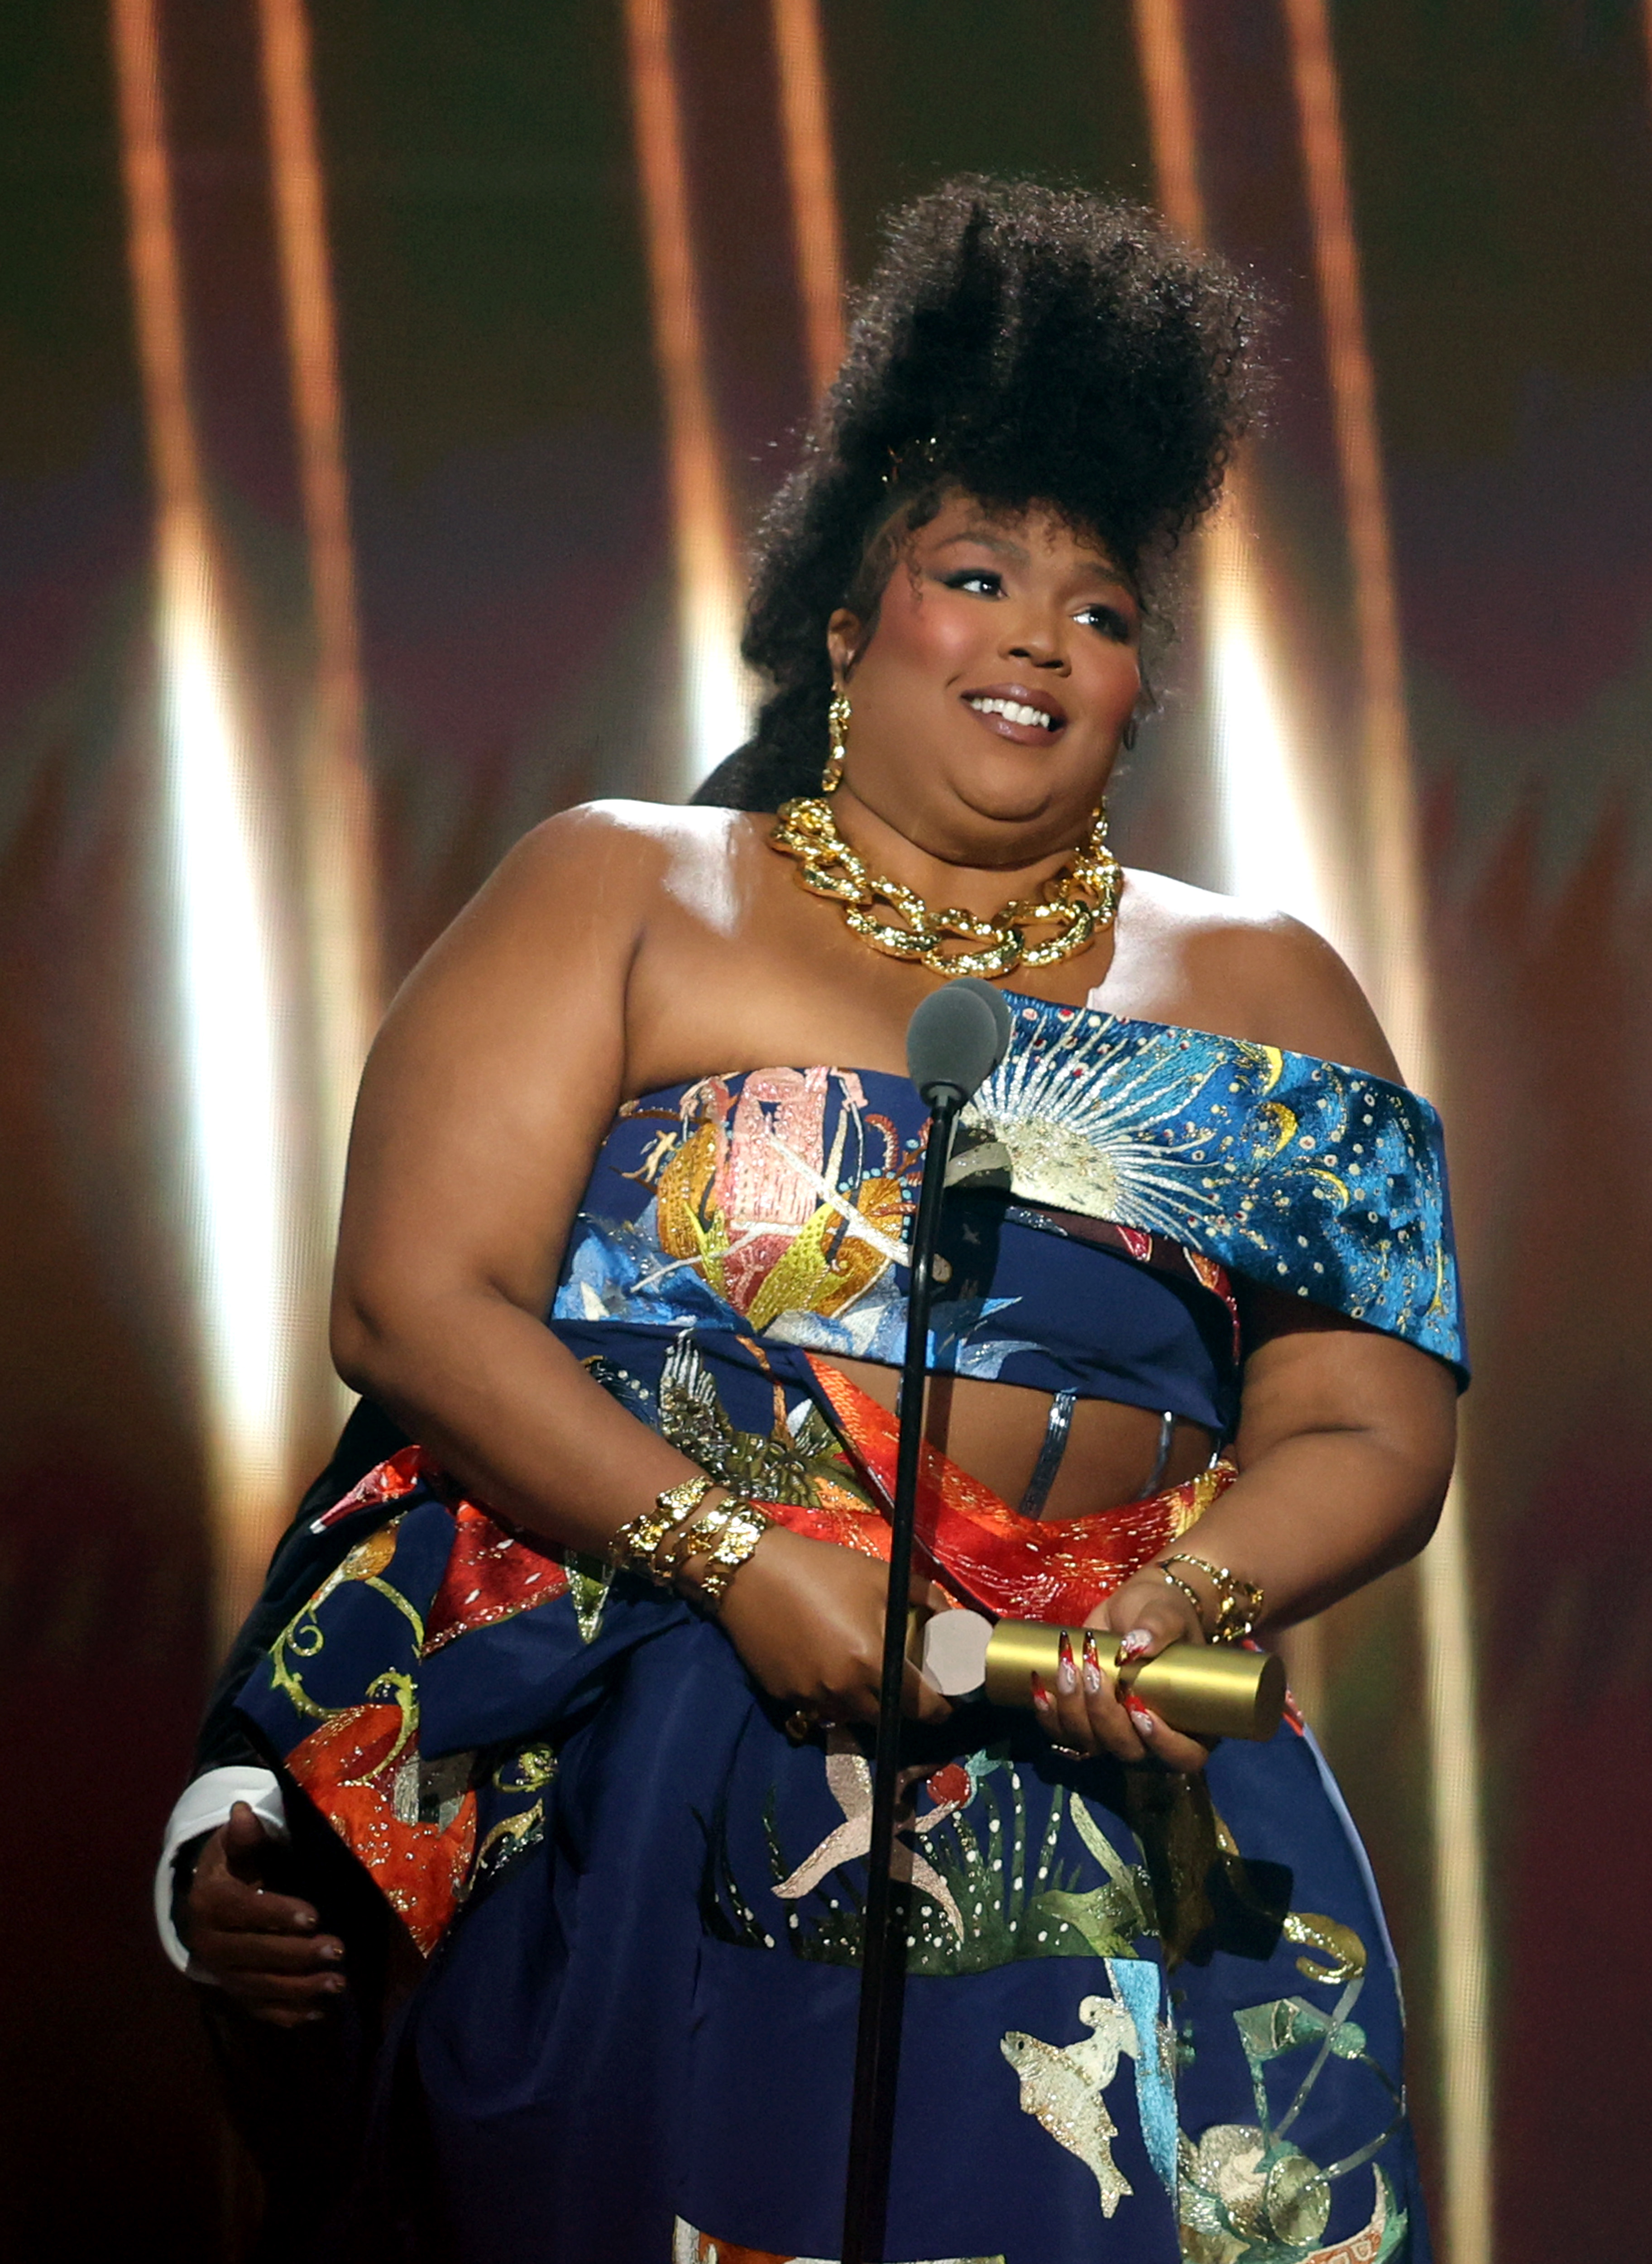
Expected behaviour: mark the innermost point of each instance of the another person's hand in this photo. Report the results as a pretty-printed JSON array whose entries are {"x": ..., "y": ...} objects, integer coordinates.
[
  {"x": 263, "y": 1949},
  {"x": 807, "y": 1617},
  {"x": 1081, "y": 1711}
]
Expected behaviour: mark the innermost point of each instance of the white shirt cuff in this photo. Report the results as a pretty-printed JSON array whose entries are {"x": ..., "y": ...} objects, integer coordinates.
[{"x": 206, "y": 1804}]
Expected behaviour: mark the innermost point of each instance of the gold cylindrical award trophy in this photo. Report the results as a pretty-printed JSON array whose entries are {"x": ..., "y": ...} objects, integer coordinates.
[{"x": 1203, "y": 1689}]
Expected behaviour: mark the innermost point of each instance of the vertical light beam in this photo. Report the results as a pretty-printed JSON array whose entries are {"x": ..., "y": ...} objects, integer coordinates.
[
  {"x": 1264, "y": 804},
  {"x": 1264, "y": 809},
  {"x": 709, "y": 582},
  {"x": 1463, "y": 2013},
  {"x": 1166, "y": 83},
  {"x": 805, "y": 123},
  {"x": 226, "y": 985},
  {"x": 335, "y": 787}
]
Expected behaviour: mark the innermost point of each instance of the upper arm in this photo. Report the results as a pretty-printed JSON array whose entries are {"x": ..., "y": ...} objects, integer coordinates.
[
  {"x": 1211, "y": 962},
  {"x": 1284, "y": 985},
  {"x": 493, "y": 1079},
  {"x": 1309, "y": 1368}
]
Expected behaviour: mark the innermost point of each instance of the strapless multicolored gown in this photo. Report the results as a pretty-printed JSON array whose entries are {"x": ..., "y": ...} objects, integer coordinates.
[{"x": 1145, "y": 2018}]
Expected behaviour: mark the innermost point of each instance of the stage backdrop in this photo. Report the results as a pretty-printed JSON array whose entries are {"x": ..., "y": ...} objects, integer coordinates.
[{"x": 387, "y": 391}]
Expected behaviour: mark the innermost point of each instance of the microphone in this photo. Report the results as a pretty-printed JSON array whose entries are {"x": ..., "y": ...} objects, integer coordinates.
[
  {"x": 956, "y": 1039},
  {"x": 953, "y": 1042}
]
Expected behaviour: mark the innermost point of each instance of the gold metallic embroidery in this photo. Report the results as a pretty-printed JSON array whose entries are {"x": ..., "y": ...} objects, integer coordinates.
[
  {"x": 1063, "y": 2086},
  {"x": 1340, "y": 1947}
]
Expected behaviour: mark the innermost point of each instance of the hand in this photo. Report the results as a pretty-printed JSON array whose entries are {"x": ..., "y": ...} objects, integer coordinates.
[
  {"x": 807, "y": 1618},
  {"x": 1081, "y": 1711},
  {"x": 262, "y": 1949}
]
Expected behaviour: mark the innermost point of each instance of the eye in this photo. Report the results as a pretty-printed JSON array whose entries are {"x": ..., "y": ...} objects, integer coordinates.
[
  {"x": 983, "y": 581},
  {"x": 1109, "y": 621}
]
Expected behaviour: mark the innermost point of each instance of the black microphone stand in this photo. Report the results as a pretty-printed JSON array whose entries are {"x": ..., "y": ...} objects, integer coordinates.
[{"x": 877, "y": 2040}]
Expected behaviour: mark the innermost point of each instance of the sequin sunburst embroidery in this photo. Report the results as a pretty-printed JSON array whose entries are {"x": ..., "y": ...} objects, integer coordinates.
[{"x": 1323, "y": 1181}]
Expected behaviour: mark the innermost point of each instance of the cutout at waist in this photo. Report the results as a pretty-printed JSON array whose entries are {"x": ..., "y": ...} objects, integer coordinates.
[{"x": 997, "y": 1431}]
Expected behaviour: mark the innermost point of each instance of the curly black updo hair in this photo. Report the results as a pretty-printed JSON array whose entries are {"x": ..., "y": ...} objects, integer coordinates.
[{"x": 1027, "y": 345}]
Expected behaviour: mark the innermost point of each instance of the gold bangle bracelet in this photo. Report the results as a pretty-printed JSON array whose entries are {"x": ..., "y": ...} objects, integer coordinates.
[
  {"x": 739, "y": 1526},
  {"x": 636, "y": 1546},
  {"x": 1192, "y": 1594},
  {"x": 1239, "y": 1602}
]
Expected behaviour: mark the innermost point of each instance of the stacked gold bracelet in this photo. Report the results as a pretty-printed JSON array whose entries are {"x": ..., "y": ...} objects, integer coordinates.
[
  {"x": 637, "y": 1546},
  {"x": 1238, "y": 1602},
  {"x": 733, "y": 1531},
  {"x": 663, "y": 1539}
]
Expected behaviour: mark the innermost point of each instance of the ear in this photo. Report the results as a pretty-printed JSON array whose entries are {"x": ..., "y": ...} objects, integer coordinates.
[{"x": 846, "y": 634}]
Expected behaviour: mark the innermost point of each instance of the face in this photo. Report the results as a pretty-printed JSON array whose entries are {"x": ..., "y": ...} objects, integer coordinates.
[{"x": 990, "y": 693}]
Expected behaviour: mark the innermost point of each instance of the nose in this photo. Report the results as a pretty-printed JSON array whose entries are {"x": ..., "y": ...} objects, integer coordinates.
[{"x": 1040, "y": 643}]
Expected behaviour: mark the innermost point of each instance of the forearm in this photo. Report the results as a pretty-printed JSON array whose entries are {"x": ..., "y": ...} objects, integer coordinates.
[
  {"x": 1318, "y": 1515},
  {"x": 509, "y": 1411}
]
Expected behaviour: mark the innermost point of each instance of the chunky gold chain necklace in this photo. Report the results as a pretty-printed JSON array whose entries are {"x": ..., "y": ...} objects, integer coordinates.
[{"x": 1076, "y": 901}]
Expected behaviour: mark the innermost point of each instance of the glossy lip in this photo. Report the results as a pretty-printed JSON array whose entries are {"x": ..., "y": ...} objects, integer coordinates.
[{"x": 1024, "y": 734}]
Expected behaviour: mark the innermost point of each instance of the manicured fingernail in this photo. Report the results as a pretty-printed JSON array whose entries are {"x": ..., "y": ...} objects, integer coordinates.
[
  {"x": 332, "y": 1951},
  {"x": 1145, "y": 1724},
  {"x": 304, "y": 1921},
  {"x": 1092, "y": 1663},
  {"x": 334, "y": 1983},
  {"x": 1136, "y": 1643},
  {"x": 314, "y": 2016},
  {"x": 1040, "y": 1695},
  {"x": 1066, "y": 1673}
]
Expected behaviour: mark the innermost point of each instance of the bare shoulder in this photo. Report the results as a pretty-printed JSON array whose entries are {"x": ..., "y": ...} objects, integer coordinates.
[
  {"x": 613, "y": 862},
  {"x": 1244, "y": 970},
  {"x": 646, "y": 839}
]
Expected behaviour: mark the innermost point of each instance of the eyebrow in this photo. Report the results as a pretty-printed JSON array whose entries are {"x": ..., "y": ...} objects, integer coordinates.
[{"x": 989, "y": 540}]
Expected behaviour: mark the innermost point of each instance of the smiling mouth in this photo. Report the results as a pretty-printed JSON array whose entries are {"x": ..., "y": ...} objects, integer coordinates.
[{"x": 1020, "y": 712}]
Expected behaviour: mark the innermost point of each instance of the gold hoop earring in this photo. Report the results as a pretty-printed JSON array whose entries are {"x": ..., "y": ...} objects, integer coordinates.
[{"x": 837, "y": 732}]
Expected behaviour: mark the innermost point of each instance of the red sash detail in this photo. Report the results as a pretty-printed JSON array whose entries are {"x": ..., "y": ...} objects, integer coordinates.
[
  {"x": 387, "y": 1481},
  {"x": 1016, "y": 1567},
  {"x": 348, "y": 1768},
  {"x": 492, "y": 1575}
]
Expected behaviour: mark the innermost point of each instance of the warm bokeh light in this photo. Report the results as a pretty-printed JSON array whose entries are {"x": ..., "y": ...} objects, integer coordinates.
[
  {"x": 218, "y": 899},
  {"x": 335, "y": 788},
  {"x": 806, "y": 125},
  {"x": 1275, "y": 848},
  {"x": 1396, "y": 971},
  {"x": 228, "y": 1028},
  {"x": 1264, "y": 801},
  {"x": 716, "y": 706},
  {"x": 1263, "y": 806},
  {"x": 1266, "y": 810}
]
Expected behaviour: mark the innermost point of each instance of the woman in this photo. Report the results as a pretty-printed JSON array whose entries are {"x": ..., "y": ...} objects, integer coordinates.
[{"x": 1194, "y": 1370}]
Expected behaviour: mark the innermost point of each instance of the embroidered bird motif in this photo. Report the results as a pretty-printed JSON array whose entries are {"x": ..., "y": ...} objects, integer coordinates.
[
  {"x": 1062, "y": 2085},
  {"x": 850, "y": 1780}
]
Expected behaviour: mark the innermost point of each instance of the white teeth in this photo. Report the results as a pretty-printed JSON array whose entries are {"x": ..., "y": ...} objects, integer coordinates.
[{"x": 1013, "y": 711}]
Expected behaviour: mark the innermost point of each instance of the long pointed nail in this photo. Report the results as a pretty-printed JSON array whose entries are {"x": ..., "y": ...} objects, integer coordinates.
[
  {"x": 1092, "y": 1663},
  {"x": 1136, "y": 1643},
  {"x": 1144, "y": 1722},
  {"x": 1040, "y": 1695},
  {"x": 1066, "y": 1673}
]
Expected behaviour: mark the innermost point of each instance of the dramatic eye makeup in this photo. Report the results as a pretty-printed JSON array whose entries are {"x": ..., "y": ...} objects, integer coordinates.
[{"x": 1112, "y": 621}]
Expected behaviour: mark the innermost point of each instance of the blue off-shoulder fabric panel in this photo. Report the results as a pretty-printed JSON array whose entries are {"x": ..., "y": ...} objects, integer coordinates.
[
  {"x": 1320, "y": 1180},
  {"x": 1018, "y": 1305}
]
